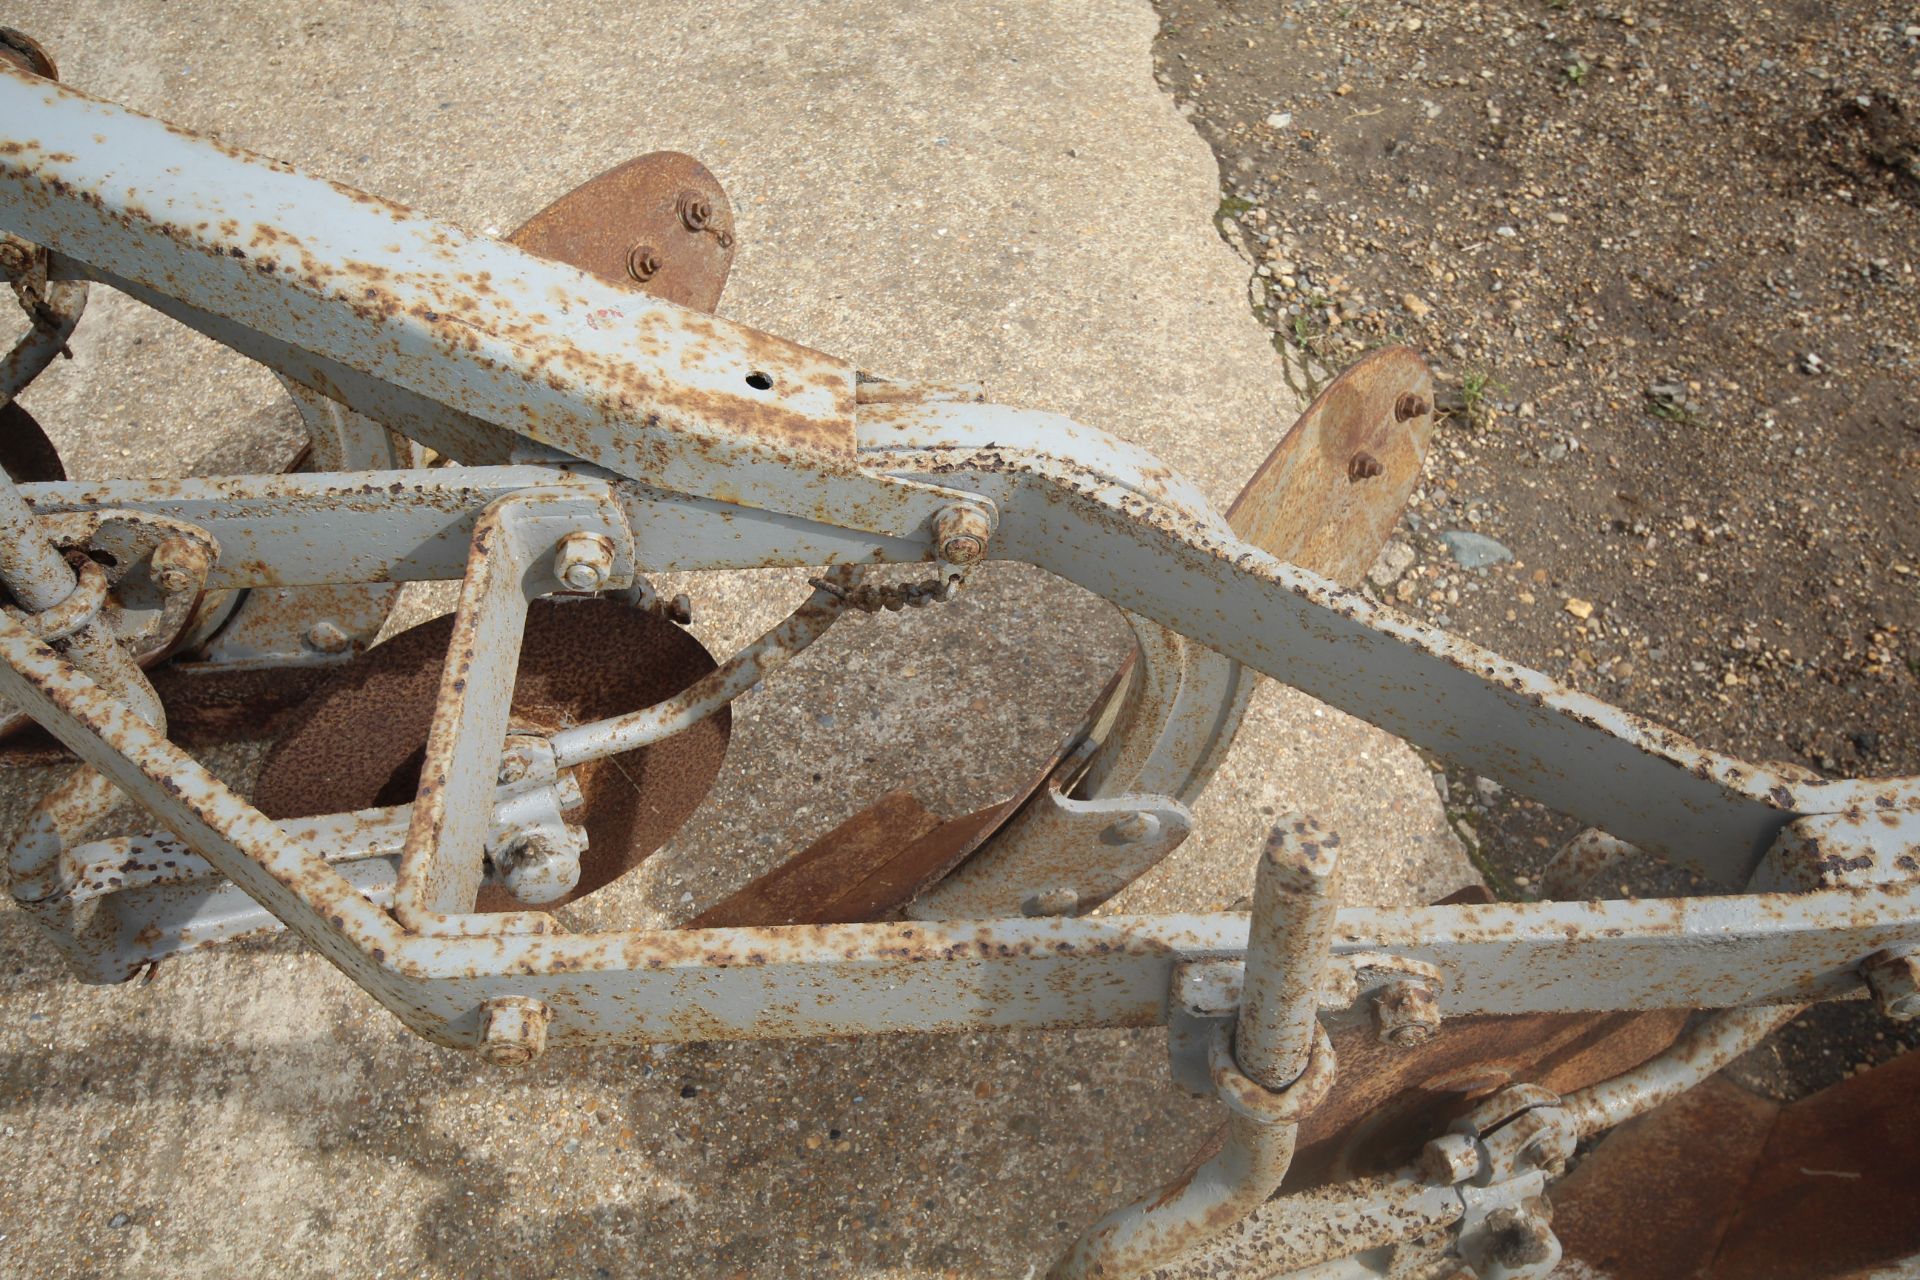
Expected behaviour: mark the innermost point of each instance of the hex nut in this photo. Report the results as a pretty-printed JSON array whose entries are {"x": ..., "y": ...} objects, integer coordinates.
[
  {"x": 1543, "y": 1138},
  {"x": 513, "y": 1030},
  {"x": 961, "y": 534},
  {"x": 584, "y": 561},
  {"x": 696, "y": 211},
  {"x": 180, "y": 564},
  {"x": 1894, "y": 979},
  {"x": 1406, "y": 1014},
  {"x": 643, "y": 262}
]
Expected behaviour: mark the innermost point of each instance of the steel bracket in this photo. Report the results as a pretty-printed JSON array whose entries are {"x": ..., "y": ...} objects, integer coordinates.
[
  {"x": 1205, "y": 996},
  {"x": 1504, "y": 1234}
]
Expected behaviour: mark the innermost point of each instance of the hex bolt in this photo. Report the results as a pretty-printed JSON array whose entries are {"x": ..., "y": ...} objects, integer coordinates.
[
  {"x": 643, "y": 262},
  {"x": 1451, "y": 1158},
  {"x": 513, "y": 1030},
  {"x": 1894, "y": 979},
  {"x": 584, "y": 561},
  {"x": 1406, "y": 1013},
  {"x": 1408, "y": 406},
  {"x": 961, "y": 534},
  {"x": 328, "y": 637},
  {"x": 1363, "y": 466},
  {"x": 180, "y": 564},
  {"x": 695, "y": 210}
]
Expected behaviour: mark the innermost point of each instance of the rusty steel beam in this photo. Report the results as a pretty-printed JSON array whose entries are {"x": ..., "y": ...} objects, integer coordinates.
[
  {"x": 411, "y": 526},
  {"x": 1616, "y": 771},
  {"x": 401, "y": 316},
  {"x": 808, "y": 980}
]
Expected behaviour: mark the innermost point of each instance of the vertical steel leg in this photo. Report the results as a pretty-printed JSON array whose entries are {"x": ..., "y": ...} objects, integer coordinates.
[
  {"x": 441, "y": 871},
  {"x": 511, "y": 561},
  {"x": 1277, "y": 1066}
]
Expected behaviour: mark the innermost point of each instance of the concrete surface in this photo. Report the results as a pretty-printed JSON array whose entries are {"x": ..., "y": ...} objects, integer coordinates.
[{"x": 978, "y": 191}]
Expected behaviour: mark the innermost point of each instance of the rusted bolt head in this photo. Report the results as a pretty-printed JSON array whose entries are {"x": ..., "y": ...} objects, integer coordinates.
[
  {"x": 180, "y": 564},
  {"x": 1363, "y": 466},
  {"x": 961, "y": 534},
  {"x": 1894, "y": 979},
  {"x": 518, "y": 756},
  {"x": 1134, "y": 828},
  {"x": 696, "y": 211},
  {"x": 540, "y": 869},
  {"x": 1054, "y": 902},
  {"x": 1451, "y": 1158},
  {"x": 643, "y": 263},
  {"x": 328, "y": 637},
  {"x": 513, "y": 1030},
  {"x": 584, "y": 561},
  {"x": 1408, "y": 406},
  {"x": 1406, "y": 1014},
  {"x": 1520, "y": 1239}
]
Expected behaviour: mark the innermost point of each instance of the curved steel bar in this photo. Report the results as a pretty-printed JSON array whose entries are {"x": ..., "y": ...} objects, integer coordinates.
[
  {"x": 617, "y": 734},
  {"x": 36, "y": 861},
  {"x": 1712, "y": 1044},
  {"x": 1324, "y": 1225},
  {"x": 54, "y": 321}
]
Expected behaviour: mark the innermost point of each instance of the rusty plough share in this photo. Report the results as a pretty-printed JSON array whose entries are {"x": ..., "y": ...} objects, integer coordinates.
[{"x": 608, "y": 426}]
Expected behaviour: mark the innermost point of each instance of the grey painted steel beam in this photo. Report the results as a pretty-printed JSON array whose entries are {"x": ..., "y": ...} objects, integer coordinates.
[
  {"x": 423, "y": 311},
  {"x": 411, "y": 526},
  {"x": 948, "y": 975},
  {"x": 1614, "y": 770}
]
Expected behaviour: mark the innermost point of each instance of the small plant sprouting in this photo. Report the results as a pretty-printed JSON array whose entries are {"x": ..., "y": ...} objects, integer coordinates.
[
  {"x": 1474, "y": 409},
  {"x": 1231, "y": 207}
]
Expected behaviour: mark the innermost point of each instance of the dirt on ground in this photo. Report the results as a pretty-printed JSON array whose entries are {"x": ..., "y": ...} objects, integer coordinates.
[{"x": 1662, "y": 257}]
